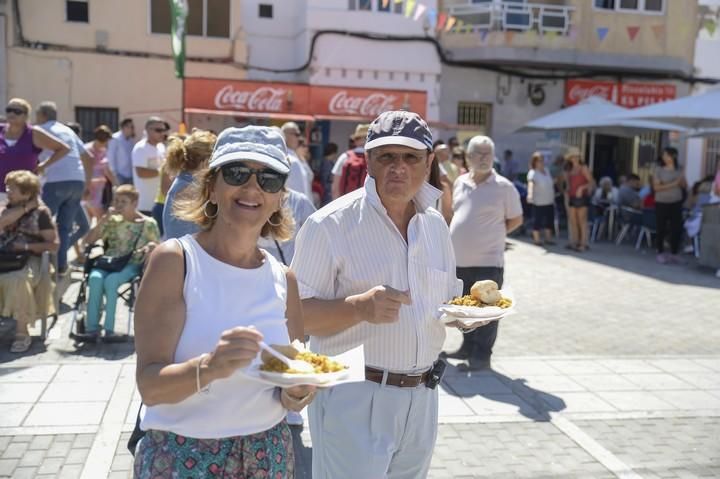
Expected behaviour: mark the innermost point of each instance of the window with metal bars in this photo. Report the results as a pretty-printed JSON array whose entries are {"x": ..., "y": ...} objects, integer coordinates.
[
  {"x": 712, "y": 155},
  {"x": 92, "y": 117},
  {"x": 471, "y": 113}
]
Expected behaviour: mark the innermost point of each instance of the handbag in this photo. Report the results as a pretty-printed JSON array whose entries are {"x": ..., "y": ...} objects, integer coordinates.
[
  {"x": 12, "y": 261},
  {"x": 115, "y": 264}
]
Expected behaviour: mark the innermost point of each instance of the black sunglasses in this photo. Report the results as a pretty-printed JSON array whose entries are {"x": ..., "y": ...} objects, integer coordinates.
[
  {"x": 236, "y": 174},
  {"x": 15, "y": 111},
  {"x": 159, "y": 130}
]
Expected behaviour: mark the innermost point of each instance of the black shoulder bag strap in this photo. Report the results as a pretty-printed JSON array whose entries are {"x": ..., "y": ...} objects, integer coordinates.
[{"x": 138, "y": 433}]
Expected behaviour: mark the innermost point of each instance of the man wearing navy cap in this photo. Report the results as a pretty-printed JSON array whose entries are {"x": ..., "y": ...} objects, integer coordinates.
[{"x": 372, "y": 268}]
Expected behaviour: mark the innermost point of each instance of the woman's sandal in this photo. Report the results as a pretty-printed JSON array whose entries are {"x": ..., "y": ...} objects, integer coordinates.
[{"x": 21, "y": 344}]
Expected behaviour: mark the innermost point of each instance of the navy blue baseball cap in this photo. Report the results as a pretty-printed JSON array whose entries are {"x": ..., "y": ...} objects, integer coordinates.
[{"x": 399, "y": 128}]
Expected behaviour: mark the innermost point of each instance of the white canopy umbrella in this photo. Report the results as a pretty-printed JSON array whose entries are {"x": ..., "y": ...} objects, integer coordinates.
[
  {"x": 596, "y": 115},
  {"x": 696, "y": 111},
  {"x": 703, "y": 133}
]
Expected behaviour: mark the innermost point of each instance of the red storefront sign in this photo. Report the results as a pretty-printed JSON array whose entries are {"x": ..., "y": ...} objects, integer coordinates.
[
  {"x": 629, "y": 95},
  {"x": 245, "y": 97},
  {"x": 360, "y": 102},
  {"x": 276, "y": 99}
]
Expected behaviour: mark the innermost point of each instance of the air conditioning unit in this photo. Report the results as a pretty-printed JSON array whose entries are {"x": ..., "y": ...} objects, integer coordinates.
[{"x": 102, "y": 37}]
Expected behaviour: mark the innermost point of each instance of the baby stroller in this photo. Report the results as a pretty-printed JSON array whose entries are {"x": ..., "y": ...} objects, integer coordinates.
[{"x": 127, "y": 293}]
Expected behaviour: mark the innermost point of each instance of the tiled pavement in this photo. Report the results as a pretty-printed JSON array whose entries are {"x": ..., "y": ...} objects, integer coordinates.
[{"x": 625, "y": 385}]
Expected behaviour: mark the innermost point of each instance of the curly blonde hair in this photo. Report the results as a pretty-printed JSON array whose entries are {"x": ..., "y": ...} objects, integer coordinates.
[
  {"x": 193, "y": 202},
  {"x": 191, "y": 153}
]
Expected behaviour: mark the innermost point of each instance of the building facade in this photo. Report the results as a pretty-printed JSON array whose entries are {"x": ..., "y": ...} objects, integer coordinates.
[
  {"x": 104, "y": 60},
  {"x": 524, "y": 60}
]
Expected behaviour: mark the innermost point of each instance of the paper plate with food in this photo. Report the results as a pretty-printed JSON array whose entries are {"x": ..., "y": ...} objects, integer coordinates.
[
  {"x": 486, "y": 302},
  {"x": 325, "y": 371}
]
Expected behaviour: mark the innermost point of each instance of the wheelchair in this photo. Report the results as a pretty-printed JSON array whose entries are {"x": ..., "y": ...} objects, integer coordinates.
[{"x": 127, "y": 293}]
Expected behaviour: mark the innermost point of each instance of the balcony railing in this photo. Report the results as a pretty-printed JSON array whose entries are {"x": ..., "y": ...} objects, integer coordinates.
[{"x": 514, "y": 16}]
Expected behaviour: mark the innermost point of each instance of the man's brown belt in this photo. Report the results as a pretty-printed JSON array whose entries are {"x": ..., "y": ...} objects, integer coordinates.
[{"x": 396, "y": 379}]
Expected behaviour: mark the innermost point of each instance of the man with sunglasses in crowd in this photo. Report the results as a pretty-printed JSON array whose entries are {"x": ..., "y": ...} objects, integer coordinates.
[
  {"x": 148, "y": 155},
  {"x": 372, "y": 268}
]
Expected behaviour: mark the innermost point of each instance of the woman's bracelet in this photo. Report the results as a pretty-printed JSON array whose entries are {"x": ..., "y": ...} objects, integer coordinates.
[{"x": 199, "y": 364}]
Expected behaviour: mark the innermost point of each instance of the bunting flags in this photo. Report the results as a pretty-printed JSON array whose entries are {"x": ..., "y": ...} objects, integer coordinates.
[
  {"x": 385, "y": 4},
  {"x": 409, "y": 7},
  {"x": 450, "y": 23},
  {"x": 441, "y": 21},
  {"x": 710, "y": 25},
  {"x": 483, "y": 36},
  {"x": 509, "y": 35},
  {"x": 432, "y": 17},
  {"x": 573, "y": 33},
  {"x": 659, "y": 32},
  {"x": 633, "y": 32},
  {"x": 602, "y": 32},
  {"x": 419, "y": 12}
]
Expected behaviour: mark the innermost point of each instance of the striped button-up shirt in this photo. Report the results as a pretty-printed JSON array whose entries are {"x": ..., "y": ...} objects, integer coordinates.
[{"x": 351, "y": 245}]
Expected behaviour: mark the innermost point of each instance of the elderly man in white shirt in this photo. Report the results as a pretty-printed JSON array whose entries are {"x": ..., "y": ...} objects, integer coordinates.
[
  {"x": 486, "y": 207},
  {"x": 301, "y": 175},
  {"x": 373, "y": 267}
]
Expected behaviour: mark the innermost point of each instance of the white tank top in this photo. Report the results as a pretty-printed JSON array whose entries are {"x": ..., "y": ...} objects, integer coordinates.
[{"x": 218, "y": 297}]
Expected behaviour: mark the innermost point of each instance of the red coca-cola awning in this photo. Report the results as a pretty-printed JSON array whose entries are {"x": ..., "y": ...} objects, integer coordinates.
[
  {"x": 628, "y": 95},
  {"x": 295, "y": 100}
]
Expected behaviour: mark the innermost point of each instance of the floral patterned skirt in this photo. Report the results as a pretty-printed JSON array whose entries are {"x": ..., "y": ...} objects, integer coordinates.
[{"x": 165, "y": 455}]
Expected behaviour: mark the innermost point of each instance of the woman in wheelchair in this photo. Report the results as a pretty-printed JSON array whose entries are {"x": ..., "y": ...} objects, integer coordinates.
[
  {"x": 26, "y": 232},
  {"x": 125, "y": 232}
]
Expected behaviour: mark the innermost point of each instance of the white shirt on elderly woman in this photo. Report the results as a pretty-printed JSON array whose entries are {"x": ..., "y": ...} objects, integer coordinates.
[
  {"x": 543, "y": 187},
  {"x": 352, "y": 245},
  {"x": 218, "y": 297}
]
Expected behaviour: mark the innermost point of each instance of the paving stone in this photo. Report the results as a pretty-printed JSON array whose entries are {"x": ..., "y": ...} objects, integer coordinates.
[
  {"x": 70, "y": 471},
  {"x": 51, "y": 465},
  {"x": 7, "y": 466},
  {"x": 25, "y": 473},
  {"x": 59, "y": 449},
  {"x": 15, "y": 450},
  {"x": 41, "y": 442},
  {"x": 32, "y": 458},
  {"x": 77, "y": 456}
]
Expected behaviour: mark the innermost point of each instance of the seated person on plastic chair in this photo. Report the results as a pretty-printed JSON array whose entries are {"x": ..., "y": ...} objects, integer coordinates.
[{"x": 124, "y": 230}]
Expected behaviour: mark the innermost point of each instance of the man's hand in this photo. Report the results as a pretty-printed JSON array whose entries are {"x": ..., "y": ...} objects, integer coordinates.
[{"x": 380, "y": 304}]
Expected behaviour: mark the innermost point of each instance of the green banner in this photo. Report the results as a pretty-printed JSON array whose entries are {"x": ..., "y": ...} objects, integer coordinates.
[{"x": 178, "y": 14}]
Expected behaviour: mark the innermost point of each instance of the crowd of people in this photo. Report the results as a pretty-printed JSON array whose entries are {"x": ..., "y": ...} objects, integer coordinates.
[{"x": 405, "y": 224}]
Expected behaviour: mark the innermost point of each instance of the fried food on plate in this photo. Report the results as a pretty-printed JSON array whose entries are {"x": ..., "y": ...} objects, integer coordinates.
[
  {"x": 321, "y": 363},
  {"x": 468, "y": 300}
]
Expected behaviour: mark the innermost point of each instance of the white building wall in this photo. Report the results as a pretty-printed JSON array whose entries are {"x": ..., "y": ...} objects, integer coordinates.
[
  {"x": 707, "y": 53},
  {"x": 3, "y": 59},
  {"x": 511, "y": 108},
  {"x": 285, "y": 41}
]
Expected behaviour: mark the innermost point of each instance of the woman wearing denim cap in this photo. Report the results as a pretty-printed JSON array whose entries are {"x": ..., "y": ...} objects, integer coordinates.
[{"x": 205, "y": 303}]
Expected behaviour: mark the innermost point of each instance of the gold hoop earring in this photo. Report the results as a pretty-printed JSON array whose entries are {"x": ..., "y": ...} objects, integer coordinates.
[
  {"x": 274, "y": 224},
  {"x": 217, "y": 209}
]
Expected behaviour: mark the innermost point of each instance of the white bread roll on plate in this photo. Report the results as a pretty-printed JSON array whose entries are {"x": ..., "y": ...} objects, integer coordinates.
[{"x": 486, "y": 291}]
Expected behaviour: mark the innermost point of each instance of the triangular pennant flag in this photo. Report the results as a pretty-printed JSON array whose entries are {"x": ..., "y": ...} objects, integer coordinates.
[
  {"x": 509, "y": 37},
  {"x": 450, "y": 23},
  {"x": 531, "y": 35},
  {"x": 710, "y": 26},
  {"x": 573, "y": 33},
  {"x": 602, "y": 33},
  {"x": 483, "y": 35},
  {"x": 551, "y": 35},
  {"x": 459, "y": 25},
  {"x": 432, "y": 17},
  {"x": 633, "y": 32},
  {"x": 658, "y": 31},
  {"x": 419, "y": 12},
  {"x": 385, "y": 4},
  {"x": 398, "y": 1},
  {"x": 441, "y": 21},
  {"x": 409, "y": 7}
]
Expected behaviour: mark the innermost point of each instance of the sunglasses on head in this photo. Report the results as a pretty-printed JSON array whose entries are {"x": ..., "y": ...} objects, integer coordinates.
[
  {"x": 15, "y": 111},
  {"x": 236, "y": 174}
]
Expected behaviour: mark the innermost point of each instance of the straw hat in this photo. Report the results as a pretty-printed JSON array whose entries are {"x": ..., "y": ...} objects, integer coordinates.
[
  {"x": 361, "y": 131},
  {"x": 573, "y": 151}
]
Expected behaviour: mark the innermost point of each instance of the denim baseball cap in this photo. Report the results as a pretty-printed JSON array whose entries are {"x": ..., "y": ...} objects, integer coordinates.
[
  {"x": 399, "y": 128},
  {"x": 255, "y": 143}
]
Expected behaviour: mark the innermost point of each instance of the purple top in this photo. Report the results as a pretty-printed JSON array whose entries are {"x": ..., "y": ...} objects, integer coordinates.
[{"x": 23, "y": 155}]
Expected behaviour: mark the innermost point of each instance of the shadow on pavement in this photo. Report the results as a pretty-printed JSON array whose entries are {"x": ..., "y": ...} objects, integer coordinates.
[
  {"x": 532, "y": 403},
  {"x": 642, "y": 262}
]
